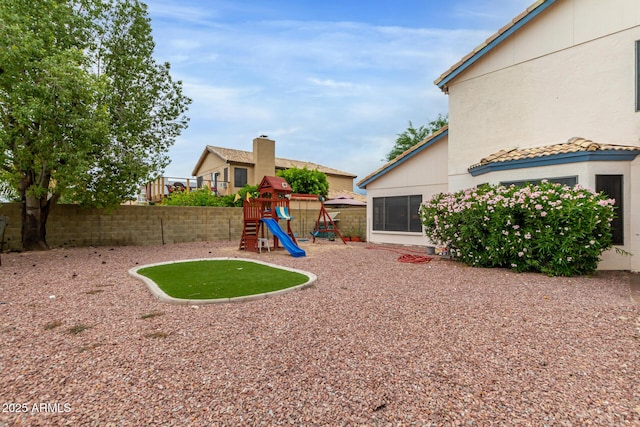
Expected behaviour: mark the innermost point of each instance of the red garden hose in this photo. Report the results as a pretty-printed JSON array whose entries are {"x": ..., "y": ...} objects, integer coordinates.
[{"x": 404, "y": 257}]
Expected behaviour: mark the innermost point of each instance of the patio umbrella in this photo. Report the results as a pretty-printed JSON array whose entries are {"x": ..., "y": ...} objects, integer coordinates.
[{"x": 345, "y": 201}]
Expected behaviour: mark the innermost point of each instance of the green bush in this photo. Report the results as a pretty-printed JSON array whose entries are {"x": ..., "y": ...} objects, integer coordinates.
[
  {"x": 305, "y": 181},
  {"x": 199, "y": 197},
  {"x": 548, "y": 228},
  {"x": 252, "y": 189},
  {"x": 205, "y": 197}
]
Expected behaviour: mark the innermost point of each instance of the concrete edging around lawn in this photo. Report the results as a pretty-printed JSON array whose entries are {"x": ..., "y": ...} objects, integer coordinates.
[{"x": 162, "y": 296}]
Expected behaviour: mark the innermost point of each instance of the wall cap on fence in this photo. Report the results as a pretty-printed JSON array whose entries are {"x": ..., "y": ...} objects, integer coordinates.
[{"x": 138, "y": 225}]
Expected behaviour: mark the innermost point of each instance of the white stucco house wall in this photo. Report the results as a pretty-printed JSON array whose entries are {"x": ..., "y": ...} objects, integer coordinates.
[
  {"x": 395, "y": 191},
  {"x": 554, "y": 94}
]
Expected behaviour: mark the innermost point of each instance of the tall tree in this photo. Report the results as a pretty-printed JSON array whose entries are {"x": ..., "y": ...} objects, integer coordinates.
[
  {"x": 412, "y": 136},
  {"x": 86, "y": 113}
]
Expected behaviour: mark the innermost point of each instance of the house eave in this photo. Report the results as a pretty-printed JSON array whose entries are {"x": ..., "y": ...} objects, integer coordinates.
[
  {"x": 392, "y": 165},
  {"x": 204, "y": 154},
  {"x": 556, "y": 159},
  {"x": 479, "y": 52}
]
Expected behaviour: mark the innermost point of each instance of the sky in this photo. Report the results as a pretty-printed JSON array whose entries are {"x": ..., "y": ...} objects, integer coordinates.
[{"x": 333, "y": 82}]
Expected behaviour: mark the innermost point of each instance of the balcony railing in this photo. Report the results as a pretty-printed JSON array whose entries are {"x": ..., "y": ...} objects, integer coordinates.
[{"x": 162, "y": 187}]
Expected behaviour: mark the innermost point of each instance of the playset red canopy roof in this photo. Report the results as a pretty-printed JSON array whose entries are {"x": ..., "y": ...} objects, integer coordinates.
[{"x": 274, "y": 185}]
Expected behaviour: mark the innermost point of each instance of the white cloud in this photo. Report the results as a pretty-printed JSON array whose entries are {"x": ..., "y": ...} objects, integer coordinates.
[
  {"x": 185, "y": 44},
  {"x": 335, "y": 93},
  {"x": 331, "y": 83},
  {"x": 180, "y": 12},
  {"x": 227, "y": 105},
  {"x": 490, "y": 13}
]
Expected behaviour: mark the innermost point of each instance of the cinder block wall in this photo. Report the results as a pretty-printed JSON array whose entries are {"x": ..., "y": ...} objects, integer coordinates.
[
  {"x": 12, "y": 231},
  {"x": 72, "y": 225},
  {"x": 349, "y": 219}
]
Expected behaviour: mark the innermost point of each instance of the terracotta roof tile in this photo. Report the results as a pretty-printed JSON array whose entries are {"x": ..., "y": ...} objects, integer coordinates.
[
  {"x": 230, "y": 154},
  {"x": 574, "y": 145}
]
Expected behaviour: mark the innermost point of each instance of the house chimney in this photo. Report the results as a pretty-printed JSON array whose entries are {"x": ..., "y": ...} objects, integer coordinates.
[{"x": 264, "y": 158}]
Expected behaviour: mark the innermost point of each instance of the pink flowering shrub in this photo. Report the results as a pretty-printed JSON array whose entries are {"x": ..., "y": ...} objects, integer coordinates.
[{"x": 548, "y": 228}]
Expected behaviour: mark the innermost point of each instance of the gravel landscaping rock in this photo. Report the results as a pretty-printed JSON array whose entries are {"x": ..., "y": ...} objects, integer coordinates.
[{"x": 373, "y": 342}]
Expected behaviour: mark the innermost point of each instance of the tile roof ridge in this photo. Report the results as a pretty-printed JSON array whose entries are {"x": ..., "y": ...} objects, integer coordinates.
[
  {"x": 572, "y": 145},
  {"x": 584, "y": 143}
]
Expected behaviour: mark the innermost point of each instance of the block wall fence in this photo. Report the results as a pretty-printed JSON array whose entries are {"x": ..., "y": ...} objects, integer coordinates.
[{"x": 72, "y": 225}]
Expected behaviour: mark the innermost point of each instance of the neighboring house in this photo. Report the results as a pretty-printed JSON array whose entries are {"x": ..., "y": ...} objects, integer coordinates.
[
  {"x": 554, "y": 94},
  {"x": 229, "y": 169}
]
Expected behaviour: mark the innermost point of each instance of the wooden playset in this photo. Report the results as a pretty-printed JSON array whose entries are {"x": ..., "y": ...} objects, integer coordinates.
[{"x": 271, "y": 206}]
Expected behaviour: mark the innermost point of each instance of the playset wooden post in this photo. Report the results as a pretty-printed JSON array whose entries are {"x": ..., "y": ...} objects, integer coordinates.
[{"x": 325, "y": 224}]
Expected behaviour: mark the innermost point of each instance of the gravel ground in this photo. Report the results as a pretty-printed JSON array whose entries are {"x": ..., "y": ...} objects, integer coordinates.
[{"x": 373, "y": 342}]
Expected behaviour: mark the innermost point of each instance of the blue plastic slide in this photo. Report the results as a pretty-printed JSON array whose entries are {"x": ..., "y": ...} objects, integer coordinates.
[{"x": 284, "y": 238}]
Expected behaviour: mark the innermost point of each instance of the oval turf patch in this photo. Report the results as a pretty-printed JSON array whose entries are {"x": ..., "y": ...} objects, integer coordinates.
[{"x": 215, "y": 280}]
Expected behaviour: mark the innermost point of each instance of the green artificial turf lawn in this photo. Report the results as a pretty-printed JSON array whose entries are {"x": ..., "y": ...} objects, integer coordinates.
[{"x": 211, "y": 279}]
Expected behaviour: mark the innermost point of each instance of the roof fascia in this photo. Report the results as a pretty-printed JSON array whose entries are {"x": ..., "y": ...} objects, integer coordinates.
[
  {"x": 204, "y": 154},
  {"x": 495, "y": 42},
  {"x": 363, "y": 184},
  {"x": 557, "y": 159}
]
